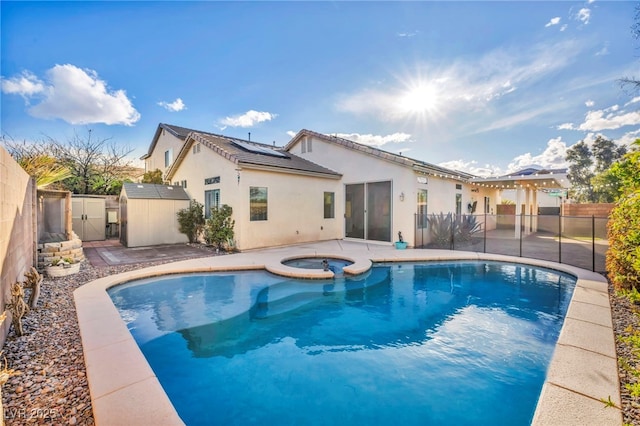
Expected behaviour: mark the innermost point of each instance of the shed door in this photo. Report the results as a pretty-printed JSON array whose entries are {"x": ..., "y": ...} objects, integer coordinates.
[
  {"x": 88, "y": 218},
  {"x": 94, "y": 219}
]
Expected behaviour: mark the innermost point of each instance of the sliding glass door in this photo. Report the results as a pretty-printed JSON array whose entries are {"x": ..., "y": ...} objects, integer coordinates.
[{"x": 368, "y": 211}]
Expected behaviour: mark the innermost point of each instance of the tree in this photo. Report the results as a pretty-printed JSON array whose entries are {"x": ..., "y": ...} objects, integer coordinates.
[
  {"x": 45, "y": 169},
  {"x": 633, "y": 83},
  {"x": 154, "y": 176},
  {"x": 588, "y": 170},
  {"x": 580, "y": 174},
  {"x": 98, "y": 165}
]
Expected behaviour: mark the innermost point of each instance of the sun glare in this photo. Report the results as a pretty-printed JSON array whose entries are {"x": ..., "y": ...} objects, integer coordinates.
[{"x": 419, "y": 99}]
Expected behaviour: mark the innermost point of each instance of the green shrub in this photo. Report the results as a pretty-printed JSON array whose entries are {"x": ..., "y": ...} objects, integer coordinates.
[
  {"x": 623, "y": 256},
  {"x": 218, "y": 229},
  {"x": 191, "y": 220}
]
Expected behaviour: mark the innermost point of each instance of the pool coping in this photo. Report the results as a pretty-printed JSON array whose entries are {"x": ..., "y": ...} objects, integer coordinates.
[{"x": 582, "y": 375}]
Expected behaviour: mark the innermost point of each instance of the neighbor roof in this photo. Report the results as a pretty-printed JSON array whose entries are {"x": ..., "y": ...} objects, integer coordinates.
[
  {"x": 418, "y": 165},
  {"x": 152, "y": 191},
  {"x": 241, "y": 153}
]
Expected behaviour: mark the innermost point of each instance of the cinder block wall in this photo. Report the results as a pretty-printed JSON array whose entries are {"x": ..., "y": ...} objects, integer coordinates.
[{"x": 17, "y": 227}]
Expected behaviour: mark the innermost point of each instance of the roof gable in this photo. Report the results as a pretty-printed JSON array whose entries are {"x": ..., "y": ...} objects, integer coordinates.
[
  {"x": 401, "y": 160},
  {"x": 177, "y": 131}
]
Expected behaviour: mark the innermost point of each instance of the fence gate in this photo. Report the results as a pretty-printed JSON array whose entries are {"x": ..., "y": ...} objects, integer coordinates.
[{"x": 88, "y": 217}]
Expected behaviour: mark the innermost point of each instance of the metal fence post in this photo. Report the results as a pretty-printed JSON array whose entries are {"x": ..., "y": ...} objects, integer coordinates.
[
  {"x": 484, "y": 246},
  {"x": 593, "y": 243},
  {"x": 560, "y": 238}
]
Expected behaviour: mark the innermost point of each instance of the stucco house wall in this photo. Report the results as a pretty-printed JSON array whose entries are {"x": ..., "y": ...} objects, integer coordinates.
[
  {"x": 357, "y": 166},
  {"x": 166, "y": 141},
  {"x": 295, "y": 201}
]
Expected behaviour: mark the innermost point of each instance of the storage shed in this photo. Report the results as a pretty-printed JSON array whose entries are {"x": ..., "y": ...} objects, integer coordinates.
[{"x": 148, "y": 214}]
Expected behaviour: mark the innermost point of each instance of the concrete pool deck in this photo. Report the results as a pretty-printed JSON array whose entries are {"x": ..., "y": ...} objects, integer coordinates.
[{"x": 124, "y": 390}]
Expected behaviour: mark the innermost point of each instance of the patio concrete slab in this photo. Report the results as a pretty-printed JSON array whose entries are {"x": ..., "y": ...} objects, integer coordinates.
[{"x": 136, "y": 394}]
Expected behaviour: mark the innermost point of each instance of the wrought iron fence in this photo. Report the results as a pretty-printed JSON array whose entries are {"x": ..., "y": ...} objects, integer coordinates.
[{"x": 574, "y": 240}]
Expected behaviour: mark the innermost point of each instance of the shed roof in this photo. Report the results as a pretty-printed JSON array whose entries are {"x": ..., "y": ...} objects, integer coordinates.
[{"x": 152, "y": 191}]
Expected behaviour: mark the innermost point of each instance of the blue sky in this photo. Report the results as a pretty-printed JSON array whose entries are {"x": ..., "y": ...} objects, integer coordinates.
[{"x": 482, "y": 87}]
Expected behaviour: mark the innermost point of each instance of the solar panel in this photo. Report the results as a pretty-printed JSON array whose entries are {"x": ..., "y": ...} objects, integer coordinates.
[{"x": 259, "y": 149}]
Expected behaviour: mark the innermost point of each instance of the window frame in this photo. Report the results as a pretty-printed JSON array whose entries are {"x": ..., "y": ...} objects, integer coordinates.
[
  {"x": 331, "y": 206},
  {"x": 258, "y": 195}
]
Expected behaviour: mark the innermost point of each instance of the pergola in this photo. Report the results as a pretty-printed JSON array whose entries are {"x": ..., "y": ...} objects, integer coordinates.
[{"x": 526, "y": 184}]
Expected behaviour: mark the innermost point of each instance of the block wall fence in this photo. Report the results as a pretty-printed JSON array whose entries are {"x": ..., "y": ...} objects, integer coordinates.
[{"x": 18, "y": 224}]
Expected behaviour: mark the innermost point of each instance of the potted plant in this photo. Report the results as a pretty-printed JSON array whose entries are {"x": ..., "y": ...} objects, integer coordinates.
[
  {"x": 62, "y": 267},
  {"x": 401, "y": 243}
]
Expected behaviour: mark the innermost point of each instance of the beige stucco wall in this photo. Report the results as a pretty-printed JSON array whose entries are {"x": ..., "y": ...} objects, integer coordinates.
[
  {"x": 295, "y": 202},
  {"x": 165, "y": 142},
  {"x": 357, "y": 167},
  {"x": 153, "y": 222},
  {"x": 17, "y": 226}
]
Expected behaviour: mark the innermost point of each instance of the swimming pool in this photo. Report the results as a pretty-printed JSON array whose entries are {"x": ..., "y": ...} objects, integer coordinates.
[{"x": 413, "y": 343}]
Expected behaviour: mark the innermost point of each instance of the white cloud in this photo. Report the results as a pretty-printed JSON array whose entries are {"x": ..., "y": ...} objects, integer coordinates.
[
  {"x": 584, "y": 15},
  {"x": 633, "y": 101},
  {"x": 291, "y": 133},
  {"x": 472, "y": 167},
  {"x": 25, "y": 85},
  {"x": 553, "y": 21},
  {"x": 609, "y": 118},
  {"x": 566, "y": 126},
  {"x": 589, "y": 103},
  {"x": 628, "y": 138},
  {"x": 564, "y": 27},
  {"x": 174, "y": 106},
  {"x": 408, "y": 35},
  {"x": 248, "y": 119},
  {"x": 553, "y": 157},
  {"x": 74, "y": 95},
  {"x": 604, "y": 51},
  {"x": 375, "y": 140}
]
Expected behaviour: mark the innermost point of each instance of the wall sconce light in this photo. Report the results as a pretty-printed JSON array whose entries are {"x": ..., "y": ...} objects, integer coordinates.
[{"x": 402, "y": 196}]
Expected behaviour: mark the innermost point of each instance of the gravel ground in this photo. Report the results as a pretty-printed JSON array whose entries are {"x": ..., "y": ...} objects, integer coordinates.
[
  {"x": 626, "y": 323},
  {"x": 52, "y": 385}
]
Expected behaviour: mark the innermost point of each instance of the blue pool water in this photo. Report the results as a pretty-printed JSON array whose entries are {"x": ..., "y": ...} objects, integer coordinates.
[{"x": 411, "y": 344}]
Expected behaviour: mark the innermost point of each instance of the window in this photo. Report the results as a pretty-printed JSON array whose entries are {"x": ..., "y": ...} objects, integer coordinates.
[
  {"x": 458, "y": 186},
  {"x": 211, "y": 200},
  {"x": 308, "y": 143},
  {"x": 329, "y": 205},
  {"x": 422, "y": 208},
  {"x": 486, "y": 204},
  {"x": 458, "y": 204},
  {"x": 304, "y": 146},
  {"x": 257, "y": 203},
  {"x": 196, "y": 148},
  {"x": 183, "y": 183},
  {"x": 168, "y": 157}
]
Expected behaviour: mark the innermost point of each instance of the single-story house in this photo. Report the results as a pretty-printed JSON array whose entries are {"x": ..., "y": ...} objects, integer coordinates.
[{"x": 318, "y": 187}]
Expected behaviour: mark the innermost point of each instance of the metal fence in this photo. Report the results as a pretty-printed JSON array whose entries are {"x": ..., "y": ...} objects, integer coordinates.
[{"x": 574, "y": 240}]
